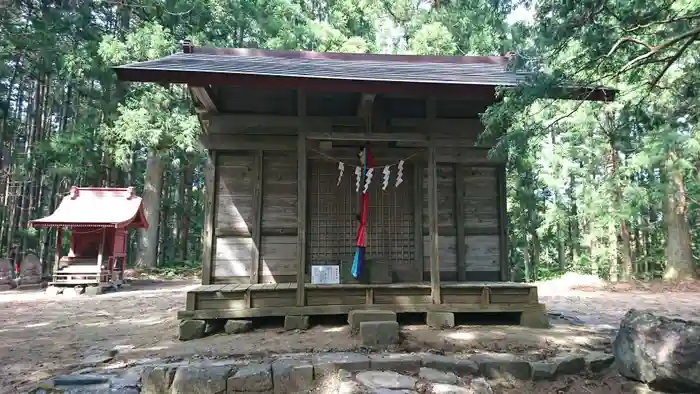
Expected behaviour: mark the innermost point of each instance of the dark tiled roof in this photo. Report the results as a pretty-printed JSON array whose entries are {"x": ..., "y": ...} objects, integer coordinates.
[{"x": 333, "y": 69}]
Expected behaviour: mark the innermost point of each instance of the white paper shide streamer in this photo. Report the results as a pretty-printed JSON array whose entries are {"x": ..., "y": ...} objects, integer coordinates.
[
  {"x": 385, "y": 180},
  {"x": 399, "y": 174},
  {"x": 368, "y": 179},
  {"x": 341, "y": 170},
  {"x": 358, "y": 174}
]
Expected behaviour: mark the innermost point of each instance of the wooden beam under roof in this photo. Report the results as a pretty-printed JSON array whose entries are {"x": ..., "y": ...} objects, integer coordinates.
[{"x": 204, "y": 96}]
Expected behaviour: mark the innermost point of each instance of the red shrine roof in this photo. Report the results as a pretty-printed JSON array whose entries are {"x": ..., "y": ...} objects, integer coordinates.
[{"x": 97, "y": 207}]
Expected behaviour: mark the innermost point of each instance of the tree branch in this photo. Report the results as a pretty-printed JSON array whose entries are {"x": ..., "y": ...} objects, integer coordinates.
[
  {"x": 654, "y": 50},
  {"x": 628, "y": 39},
  {"x": 673, "y": 58}
]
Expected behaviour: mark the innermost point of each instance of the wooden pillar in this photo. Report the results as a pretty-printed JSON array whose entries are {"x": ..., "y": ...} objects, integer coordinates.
[
  {"x": 433, "y": 207},
  {"x": 502, "y": 223},
  {"x": 59, "y": 242},
  {"x": 100, "y": 255},
  {"x": 209, "y": 216},
  {"x": 257, "y": 216},
  {"x": 302, "y": 179},
  {"x": 459, "y": 223},
  {"x": 418, "y": 217}
]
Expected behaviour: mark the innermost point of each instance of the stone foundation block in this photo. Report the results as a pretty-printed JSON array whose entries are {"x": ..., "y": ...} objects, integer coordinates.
[
  {"x": 379, "y": 333},
  {"x": 238, "y": 326},
  {"x": 93, "y": 290},
  {"x": 293, "y": 322},
  {"x": 440, "y": 319},
  {"x": 357, "y": 316},
  {"x": 397, "y": 362},
  {"x": 535, "y": 317},
  {"x": 328, "y": 363},
  {"x": 54, "y": 290},
  {"x": 292, "y": 375},
  {"x": 251, "y": 378},
  {"x": 191, "y": 329}
]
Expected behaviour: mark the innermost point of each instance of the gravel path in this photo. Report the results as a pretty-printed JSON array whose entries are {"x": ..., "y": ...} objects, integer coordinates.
[{"x": 41, "y": 335}]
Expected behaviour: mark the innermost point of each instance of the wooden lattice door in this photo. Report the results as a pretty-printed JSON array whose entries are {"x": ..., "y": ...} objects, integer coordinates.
[{"x": 390, "y": 220}]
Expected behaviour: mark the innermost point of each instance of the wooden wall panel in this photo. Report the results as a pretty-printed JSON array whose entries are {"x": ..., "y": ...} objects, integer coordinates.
[
  {"x": 278, "y": 259},
  {"x": 234, "y": 212},
  {"x": 279, "y": 206},
  {"x": 446, "y": 220},
  {"x": 482, "y": 253},
  {"x": 480, "y": 199},
  {"x": 233, "y": 243},
  {"x": 446, "y": 199},
  {"x": 232, "y": 258},
  {"x": 447, "y": 252}
]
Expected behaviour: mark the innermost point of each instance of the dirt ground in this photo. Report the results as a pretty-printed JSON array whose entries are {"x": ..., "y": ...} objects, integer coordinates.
[{"x": 41, "y": 336}]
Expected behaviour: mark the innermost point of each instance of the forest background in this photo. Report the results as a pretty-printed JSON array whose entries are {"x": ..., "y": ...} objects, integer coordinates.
[{"x": 608, "y": 189}]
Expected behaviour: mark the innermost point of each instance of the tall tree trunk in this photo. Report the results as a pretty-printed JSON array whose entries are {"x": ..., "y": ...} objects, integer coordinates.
[
  {"x": 153, "y": 185},
  {"x": 679, "y": 255},
  {"x": 186, "y": 208}
]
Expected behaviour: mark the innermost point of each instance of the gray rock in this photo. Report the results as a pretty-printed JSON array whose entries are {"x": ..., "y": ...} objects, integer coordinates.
[
  {"x": 397, "y": 362},
  {"x": 543, "y": 370},
  {"x": 291, "y": 375},
  {"x": 659, "y": 351},
  {"x": 357, "y": 316},
  {"x": 569, "y": 364},
  {"x": 238, "y": 326},
  {"x": 54, "y": 290},
  {"x": 379, "y": 333},
  {"x": 350, "y": 387},
  {"x": 327, "y": 363},
  {"x": 191, "y": 329},
  {"x": 209, "y": 379},
  {"x": 157, "y": 379},
  {"x": 342, "y": 374},
  {"x": 460, "y": 366},
  {"x": 385, "y": 380},
  {"x": 502, "y": 365},
  {"x": 252, "y": 377},
  {"x": 598, "y": 361},
  {"x": 440, "y": 319},
  {"x": 436, "y": 376},
  {"x": 481, "y": 386},
  {"x": 292, "y": 322},
  {"x": 442, "y": 388},
  {"x": 390, "y": 391}
]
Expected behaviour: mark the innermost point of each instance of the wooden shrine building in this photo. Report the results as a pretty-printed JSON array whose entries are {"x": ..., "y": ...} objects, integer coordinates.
[
  {"x": 287, "y": 134},
  {"x": 98, "y": 220}
]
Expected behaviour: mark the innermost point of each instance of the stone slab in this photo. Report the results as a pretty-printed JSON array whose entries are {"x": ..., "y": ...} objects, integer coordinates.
[
  {"x": 157, "y": 379},
  {"x": 291, "y": 375},
  {"x": 357, "y": 316},
  {"x": 436, "y": 376},
  {"x": 328, "y": 363},
  {"x": 379, "y": 333},
  {"x": 502, "y": 366},
  {"x": 200, "y": 379},
  {"x": 93, "y": 291},
  {"x": 440, "y": 319},
  {"x": 442, "y": 388},
  {"x": 294, "y": 322},
  {"x": 598, "y": 361},
  {"x": 460, "y": 366},
  {"x": 397, "y": 362},
  {"x": 255, "y": 377},
  {"x": 386, "y": 380}
]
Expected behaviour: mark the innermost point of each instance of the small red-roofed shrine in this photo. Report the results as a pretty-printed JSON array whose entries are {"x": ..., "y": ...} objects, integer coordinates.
[{"x": 99, "y": 220}]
